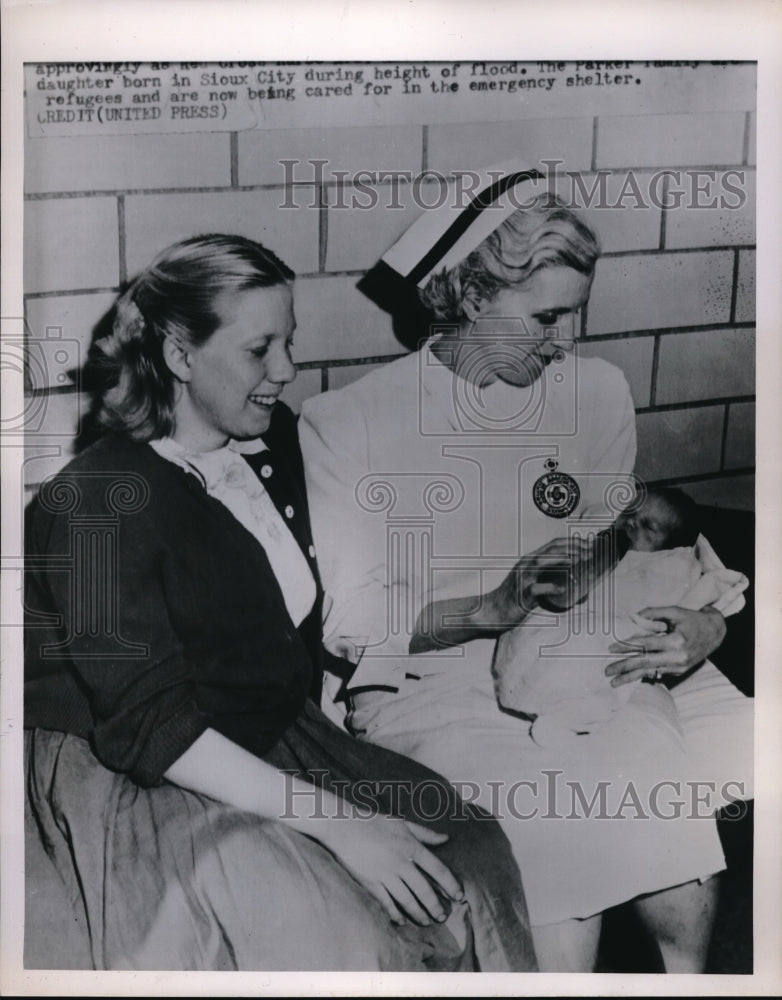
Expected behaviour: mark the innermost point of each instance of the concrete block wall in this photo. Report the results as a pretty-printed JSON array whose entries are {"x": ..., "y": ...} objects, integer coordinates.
[{"x": 672, "y": 302}]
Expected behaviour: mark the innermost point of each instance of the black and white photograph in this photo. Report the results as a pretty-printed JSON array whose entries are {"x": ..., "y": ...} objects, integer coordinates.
[{"x": 346, "y": 399}]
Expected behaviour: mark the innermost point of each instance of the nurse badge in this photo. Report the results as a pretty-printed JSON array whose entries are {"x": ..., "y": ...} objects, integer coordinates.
[{"x": 556, "y": 493}]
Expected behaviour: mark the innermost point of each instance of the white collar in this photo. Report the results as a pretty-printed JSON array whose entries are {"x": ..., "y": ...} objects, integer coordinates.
[
  {"x": 208, "y": 466},
  {"x": 168, "y": 447},
  {"x": 496, "y": 407}
]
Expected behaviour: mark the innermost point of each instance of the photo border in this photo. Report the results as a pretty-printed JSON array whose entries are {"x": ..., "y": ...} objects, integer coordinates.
[{"x": 327, "y": 30}]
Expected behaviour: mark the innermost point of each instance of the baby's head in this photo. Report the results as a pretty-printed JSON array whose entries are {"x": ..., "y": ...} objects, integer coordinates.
[{"x": 665, "y": 519}]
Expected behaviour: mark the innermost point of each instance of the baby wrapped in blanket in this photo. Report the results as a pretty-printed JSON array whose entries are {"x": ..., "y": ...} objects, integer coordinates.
[{"x": 553, "y": 671}]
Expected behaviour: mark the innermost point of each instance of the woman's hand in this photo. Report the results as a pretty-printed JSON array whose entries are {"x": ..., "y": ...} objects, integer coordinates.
[
  {"x": 388, "y": 857},
  {"x": 689, "y": 637}
]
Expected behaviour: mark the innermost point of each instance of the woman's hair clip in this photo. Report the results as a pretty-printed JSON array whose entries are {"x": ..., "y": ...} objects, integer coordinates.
[{"x": 130, "y": 322}]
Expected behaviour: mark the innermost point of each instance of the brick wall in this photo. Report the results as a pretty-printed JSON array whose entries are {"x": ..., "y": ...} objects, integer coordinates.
[{"x": 672, "y": 303}]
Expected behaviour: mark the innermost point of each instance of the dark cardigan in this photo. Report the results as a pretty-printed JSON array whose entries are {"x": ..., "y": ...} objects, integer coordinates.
[{"x": 153, "y": 614}]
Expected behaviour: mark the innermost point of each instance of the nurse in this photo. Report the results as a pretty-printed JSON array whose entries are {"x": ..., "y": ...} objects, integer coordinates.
[{"x": 439, "y": 485}]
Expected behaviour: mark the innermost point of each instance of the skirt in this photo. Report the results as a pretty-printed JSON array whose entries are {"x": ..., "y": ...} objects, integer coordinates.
[
  {"x": 625, "y": 813},
  {"x": 122, "y": 877}
]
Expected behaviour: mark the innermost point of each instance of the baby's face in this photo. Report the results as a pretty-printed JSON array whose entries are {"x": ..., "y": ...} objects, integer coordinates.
[{"x": 649, "y": 527}]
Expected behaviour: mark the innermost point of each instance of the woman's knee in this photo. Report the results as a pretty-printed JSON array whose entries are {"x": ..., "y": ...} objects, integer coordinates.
[{"x": 287, "y": 901}]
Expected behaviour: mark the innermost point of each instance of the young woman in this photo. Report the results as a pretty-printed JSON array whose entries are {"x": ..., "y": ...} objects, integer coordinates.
[{"x": 189, "y": 807}]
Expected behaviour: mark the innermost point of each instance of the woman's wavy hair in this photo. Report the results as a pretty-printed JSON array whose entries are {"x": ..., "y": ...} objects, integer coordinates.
[
  {"x": 175, "y": 296},
  {"x": 544, "y": 233}
]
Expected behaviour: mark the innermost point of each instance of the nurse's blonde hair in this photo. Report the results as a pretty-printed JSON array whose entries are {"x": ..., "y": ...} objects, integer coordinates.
[{"x": 544, "y": 233}]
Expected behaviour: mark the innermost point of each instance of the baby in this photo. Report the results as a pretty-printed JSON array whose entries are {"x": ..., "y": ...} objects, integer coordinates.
[{"x": 554, "y": 672}]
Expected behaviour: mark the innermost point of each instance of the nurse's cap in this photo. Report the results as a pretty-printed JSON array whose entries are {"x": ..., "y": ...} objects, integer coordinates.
[{"x": 466, "y": 213}]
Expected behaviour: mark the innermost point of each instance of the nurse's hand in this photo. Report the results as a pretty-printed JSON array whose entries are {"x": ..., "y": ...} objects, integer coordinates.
[
  {"x": 550, "y": 572},
  {"x": 456, "y": 620},
  {"x": 686, "y": 638}
]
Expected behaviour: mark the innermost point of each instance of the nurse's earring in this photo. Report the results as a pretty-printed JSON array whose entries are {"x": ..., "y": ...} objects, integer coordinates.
[{"x": 472, "y": 307}]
